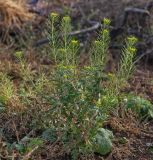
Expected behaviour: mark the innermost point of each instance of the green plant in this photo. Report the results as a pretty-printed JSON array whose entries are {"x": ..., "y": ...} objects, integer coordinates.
[
  {"x": 49, "y": 135},
  {"x": 24, "y": 68},
  {"x": 6, "y": 89},
  {"x": 100, "y": 47},
  {"x": 102, "y": 141},
  {"x": 42, "y": 82},
  {"x": 31, "y": 85},
  {"x": 80, "y": 102},
  {"x": 25, "y": 147},
  {"x": 141, "y": 106},
  {"x": 53, "y": 35},
  {"x": 127, "y": 66}
]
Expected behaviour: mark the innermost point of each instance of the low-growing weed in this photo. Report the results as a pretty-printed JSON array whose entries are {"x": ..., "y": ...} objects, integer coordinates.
[{"x": 80, "y": 102}]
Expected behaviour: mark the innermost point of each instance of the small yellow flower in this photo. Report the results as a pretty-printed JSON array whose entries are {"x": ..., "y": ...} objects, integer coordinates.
[
  {"x": 65, "y": 76},
  {"x": 132, "y": 39},
  {"x": 19, "y": 55},
  {"x": 105, "y": 32},
  {"x": 97, "y": 42},
  {"x": 54, "y": 15},
  {"x": 75, "y": 42},
  {"x": 62, "y": 50},
  {"x": 66, "y": 19},
  {"x": 87, "y": 67},
  {"x": 132, "y": 50},
  {"x": 111, "y": 75},
  {"x": 106, "y": 21}
]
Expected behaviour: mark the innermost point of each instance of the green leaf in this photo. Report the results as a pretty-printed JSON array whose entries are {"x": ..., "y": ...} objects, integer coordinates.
[
  {"x": 49, "y": 135},
  {"x": 140, "y": 105},
  {"x": 33, "y": 143},
  {"x": 102, "y": 143},
  {"x": 20, "y": 148},
  {"x": 150, "y": 112}
]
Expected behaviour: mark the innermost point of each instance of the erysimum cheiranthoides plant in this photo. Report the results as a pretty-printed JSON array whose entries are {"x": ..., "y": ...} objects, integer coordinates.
[{"x": 80, "y": 103}]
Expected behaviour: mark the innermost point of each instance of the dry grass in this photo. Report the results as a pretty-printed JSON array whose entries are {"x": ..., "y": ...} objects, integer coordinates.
[{"x": 13, "y": 15}]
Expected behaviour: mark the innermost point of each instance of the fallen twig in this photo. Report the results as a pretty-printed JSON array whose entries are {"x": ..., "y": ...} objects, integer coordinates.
[
  {"x": 143, "y": 55},
  {"x": 28, "y": 155},
  {"x": 95, "y": 26},
  {"x": 26, "y": 138}
]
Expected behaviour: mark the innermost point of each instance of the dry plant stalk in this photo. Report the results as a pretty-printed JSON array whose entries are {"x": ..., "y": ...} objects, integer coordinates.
[{"x": 13, "y": 15}]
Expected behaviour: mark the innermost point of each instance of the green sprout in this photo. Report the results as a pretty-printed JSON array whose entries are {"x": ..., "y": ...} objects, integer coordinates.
[
  {"x": 100, "y": 47},
  {"x": 127, "y": 65},
  {"x": 66, "y": 29},
  {"x": 54, "y": 16},
  {"x": 19, "y": 55},
  {"x": 53, "y": 35},
  {"x": 106, "y": 21}
]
